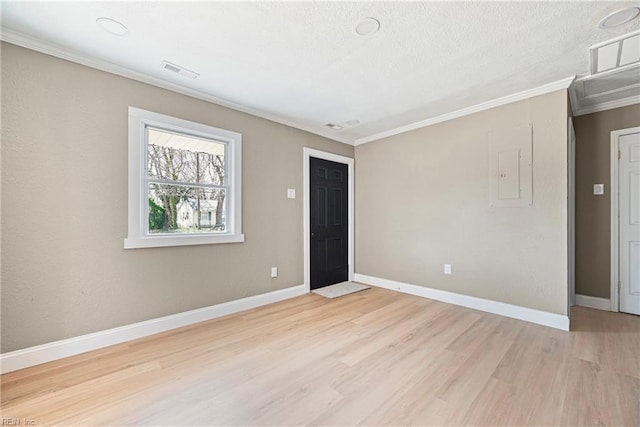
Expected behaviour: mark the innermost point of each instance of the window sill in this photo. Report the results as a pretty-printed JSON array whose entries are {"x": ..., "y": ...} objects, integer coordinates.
[{"x": 168, "y": 241}]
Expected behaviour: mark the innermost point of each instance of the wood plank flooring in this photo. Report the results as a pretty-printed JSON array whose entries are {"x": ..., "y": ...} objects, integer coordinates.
[{"x": 372, "y": 358}]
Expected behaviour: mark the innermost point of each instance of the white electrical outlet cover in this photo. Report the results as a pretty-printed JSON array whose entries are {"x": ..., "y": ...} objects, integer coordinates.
[
  {"x": 447, "y": 269},
  {"x": 291, "y": 193},
  {"x": 598, "y": 189}
]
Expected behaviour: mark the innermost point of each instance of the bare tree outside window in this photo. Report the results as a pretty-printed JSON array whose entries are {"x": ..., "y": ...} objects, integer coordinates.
[{"x": 187, "y": 185}]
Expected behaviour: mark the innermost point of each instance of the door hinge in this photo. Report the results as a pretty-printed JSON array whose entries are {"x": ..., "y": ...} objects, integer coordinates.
[
  {"x": 619, "y": 155},
  {"x": 619, "y": 285}
]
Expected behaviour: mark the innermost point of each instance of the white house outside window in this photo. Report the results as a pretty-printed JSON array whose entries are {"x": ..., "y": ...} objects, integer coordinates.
[{"x": 184, "y": 182}]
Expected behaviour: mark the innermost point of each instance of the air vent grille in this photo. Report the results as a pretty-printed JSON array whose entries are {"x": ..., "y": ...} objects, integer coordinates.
[
  {"x": 171, "y": 68},
  {"x": 334, "y": 126},
  {"x": 179, "y": 70},
  {"x": 612, "y": 82}
]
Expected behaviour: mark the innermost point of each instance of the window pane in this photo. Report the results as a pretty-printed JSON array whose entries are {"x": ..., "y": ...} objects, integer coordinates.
[
  {"x": 179, "y": 209},
  {"x": 184, "y": 158}
]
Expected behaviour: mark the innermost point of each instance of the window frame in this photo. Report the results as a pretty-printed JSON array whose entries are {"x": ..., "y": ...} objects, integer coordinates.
[{"x": 138, "y": 206}]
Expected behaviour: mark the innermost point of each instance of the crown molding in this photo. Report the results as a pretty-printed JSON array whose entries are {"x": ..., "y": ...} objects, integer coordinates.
[
  {"x": 20, "y": 39},
  {"x": 23, "y": 40},
  {"x": 519, "y": 96}
]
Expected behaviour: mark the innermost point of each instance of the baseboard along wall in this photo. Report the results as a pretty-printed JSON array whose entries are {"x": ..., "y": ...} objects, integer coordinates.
[
  {"x": 44, "y": 353},
  {"x": 539, "y": 317},
  {"x": 37, "y": 355},
  {"x": 593, "y": 302}
]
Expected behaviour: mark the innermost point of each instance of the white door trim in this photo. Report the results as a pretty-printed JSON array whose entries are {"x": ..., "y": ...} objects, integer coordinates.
[
  {"x": 572, "y": 215},
  {"x": 615, "y": 228},
  {"x": 306, "y": 156}
]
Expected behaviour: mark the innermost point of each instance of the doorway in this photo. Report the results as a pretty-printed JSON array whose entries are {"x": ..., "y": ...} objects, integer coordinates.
[
  {"x": 328, "y": 218},
  {"x": 625, "y": 220}
]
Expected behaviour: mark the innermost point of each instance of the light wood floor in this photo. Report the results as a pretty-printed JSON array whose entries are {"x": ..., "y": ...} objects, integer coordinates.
[{"x": 373, "y": 358}]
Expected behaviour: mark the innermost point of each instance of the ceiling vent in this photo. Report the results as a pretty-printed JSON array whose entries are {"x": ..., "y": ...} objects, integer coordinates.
[
  {"x": 615, "y": 53},
  {"x": 615, "y": 77},
  {"x": 603, "y": 91},
  {"x": 179, "y": 70},
  {"x": 334, "y": 126},
  {"x": 615, "y": 81}
]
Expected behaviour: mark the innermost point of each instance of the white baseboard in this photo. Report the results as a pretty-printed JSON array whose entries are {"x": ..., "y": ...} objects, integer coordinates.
[
  {"x": 593, "y": 302},
  {"x": 544, "y": 318},
  {"x": 32, "y": 356}
]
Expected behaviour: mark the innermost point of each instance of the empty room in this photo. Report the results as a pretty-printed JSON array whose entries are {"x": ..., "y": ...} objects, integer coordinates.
[{"x": 320, "y": 213}]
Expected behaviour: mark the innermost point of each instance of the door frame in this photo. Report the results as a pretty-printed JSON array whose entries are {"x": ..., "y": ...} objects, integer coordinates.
[
  {"x": 307, "y": 154},
  {"x": 571, "y": 179},
  {"x": 615, "y": 208}
]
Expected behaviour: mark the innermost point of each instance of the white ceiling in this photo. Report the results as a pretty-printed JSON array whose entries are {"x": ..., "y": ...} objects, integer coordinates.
[{"x": 303, "y": 64}]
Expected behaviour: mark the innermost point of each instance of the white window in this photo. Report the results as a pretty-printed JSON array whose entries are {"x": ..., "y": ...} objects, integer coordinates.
[{"x": 184, "y": 182}]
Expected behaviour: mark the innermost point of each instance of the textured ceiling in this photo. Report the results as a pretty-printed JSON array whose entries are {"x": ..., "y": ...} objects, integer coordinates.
[{"x": 303, "y": 64}]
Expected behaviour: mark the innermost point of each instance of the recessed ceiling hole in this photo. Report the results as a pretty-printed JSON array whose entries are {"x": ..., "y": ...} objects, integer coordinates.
[
  {"x": 112, "y": 26},
  {"x": 367, "y": 26},
  {"x": 619, "y": 17}
]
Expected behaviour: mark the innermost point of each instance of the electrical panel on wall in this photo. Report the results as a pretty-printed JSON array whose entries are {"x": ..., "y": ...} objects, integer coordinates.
[{"x": 511, "y": 167}]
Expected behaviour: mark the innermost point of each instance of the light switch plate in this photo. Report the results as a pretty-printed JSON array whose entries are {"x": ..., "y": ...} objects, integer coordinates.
[
  {"x": 598, "y": 189},
  {"x": 291, "y": 193},
  {"x": 447, "y": 269},
  {"x": 274, "y": 272}
]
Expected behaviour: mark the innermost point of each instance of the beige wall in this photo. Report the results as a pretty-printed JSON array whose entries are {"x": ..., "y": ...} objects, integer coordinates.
[
  {"x": 64, "y": 206},
  {"x": 593, "y": 213},
  {"x": 422, "y": 200}
]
